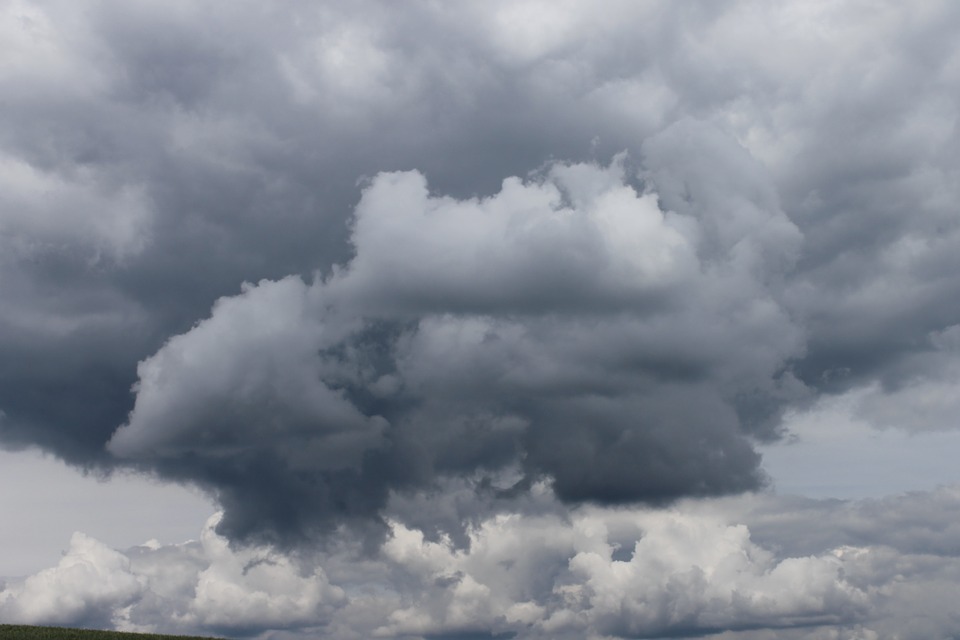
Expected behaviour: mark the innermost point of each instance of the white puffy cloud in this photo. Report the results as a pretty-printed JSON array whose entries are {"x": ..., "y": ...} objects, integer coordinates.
[
  {"x": 583, "y": 235},
  {"x": 253, "y": 588},
  {"x": 183, "y": 587},
  {"x": 613, "y": 573},
  {"x": 747, "y": 568},
  {"x": 86, "y": 586}
]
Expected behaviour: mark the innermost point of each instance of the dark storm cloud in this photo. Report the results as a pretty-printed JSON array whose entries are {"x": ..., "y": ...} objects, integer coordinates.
[
  {"x": 554, "y": 326},
  {"x": 781, "y": 224},
  {"x": 238, "y": 133}
]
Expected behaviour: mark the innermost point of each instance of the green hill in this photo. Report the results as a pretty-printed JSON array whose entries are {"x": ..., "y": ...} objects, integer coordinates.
[{"x": 23, "y": 632}]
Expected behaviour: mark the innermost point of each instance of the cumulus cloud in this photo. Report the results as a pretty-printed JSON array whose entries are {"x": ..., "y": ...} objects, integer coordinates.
[
  {"x": 237, "y": 157},
  {"x": 746, "y": 568},
  {"x": 487, "y": 247},
  {"x": 196, "y": 585},
  {"x": 256, "y": 588},
  {"x": 557, "y": 325},
  {"x": 759, "y": 566},
  {"x": 86, "y": 587},
  {"x": 616, "y": 574}
]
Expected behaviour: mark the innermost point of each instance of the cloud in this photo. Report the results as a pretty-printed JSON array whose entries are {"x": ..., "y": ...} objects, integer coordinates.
[
  {"x": 556, "y": 325},
  {"x": 87, "y": 585},
  {"x": 196, "y": 585},
  {"x": 241, "y": 394},
  {"x": 614, "y": 574},
  {"x": 926, "y": 399},
  {"x": 757, "y": 566},
  {"x": 44, "y": 212},
  {"x": 186, "y": 151},
  {"x": 486, "y": 248},
  {"x": 256, "y": 588},
  {"x": 580, "y": 237}
]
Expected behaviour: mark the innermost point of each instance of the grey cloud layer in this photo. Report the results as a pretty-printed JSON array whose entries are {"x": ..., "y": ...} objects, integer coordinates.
[
  {"x": 452, "y": 280},
  {"x": 227, "y": 142}
]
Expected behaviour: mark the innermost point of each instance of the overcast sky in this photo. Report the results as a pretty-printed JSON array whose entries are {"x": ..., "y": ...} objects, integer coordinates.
[{"x": 481, "y": 319}]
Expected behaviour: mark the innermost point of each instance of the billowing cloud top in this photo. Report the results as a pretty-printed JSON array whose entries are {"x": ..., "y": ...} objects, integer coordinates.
[
  {"x": 349, "y": 256},
  {"x": 565, "y": 326}
]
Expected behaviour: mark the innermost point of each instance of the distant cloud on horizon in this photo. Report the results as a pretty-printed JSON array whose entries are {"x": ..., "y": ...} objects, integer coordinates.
[{"x": 596, "y": 572}]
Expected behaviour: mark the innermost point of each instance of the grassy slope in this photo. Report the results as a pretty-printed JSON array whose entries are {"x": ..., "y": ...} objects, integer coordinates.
[{"x": 21, "y": 632}]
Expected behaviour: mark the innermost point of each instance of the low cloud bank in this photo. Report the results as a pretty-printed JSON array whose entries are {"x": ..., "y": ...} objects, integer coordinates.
[{"x": 758, "y": 566}]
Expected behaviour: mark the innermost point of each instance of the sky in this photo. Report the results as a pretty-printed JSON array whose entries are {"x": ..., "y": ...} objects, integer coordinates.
[{"x": 481, "y": 320}]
